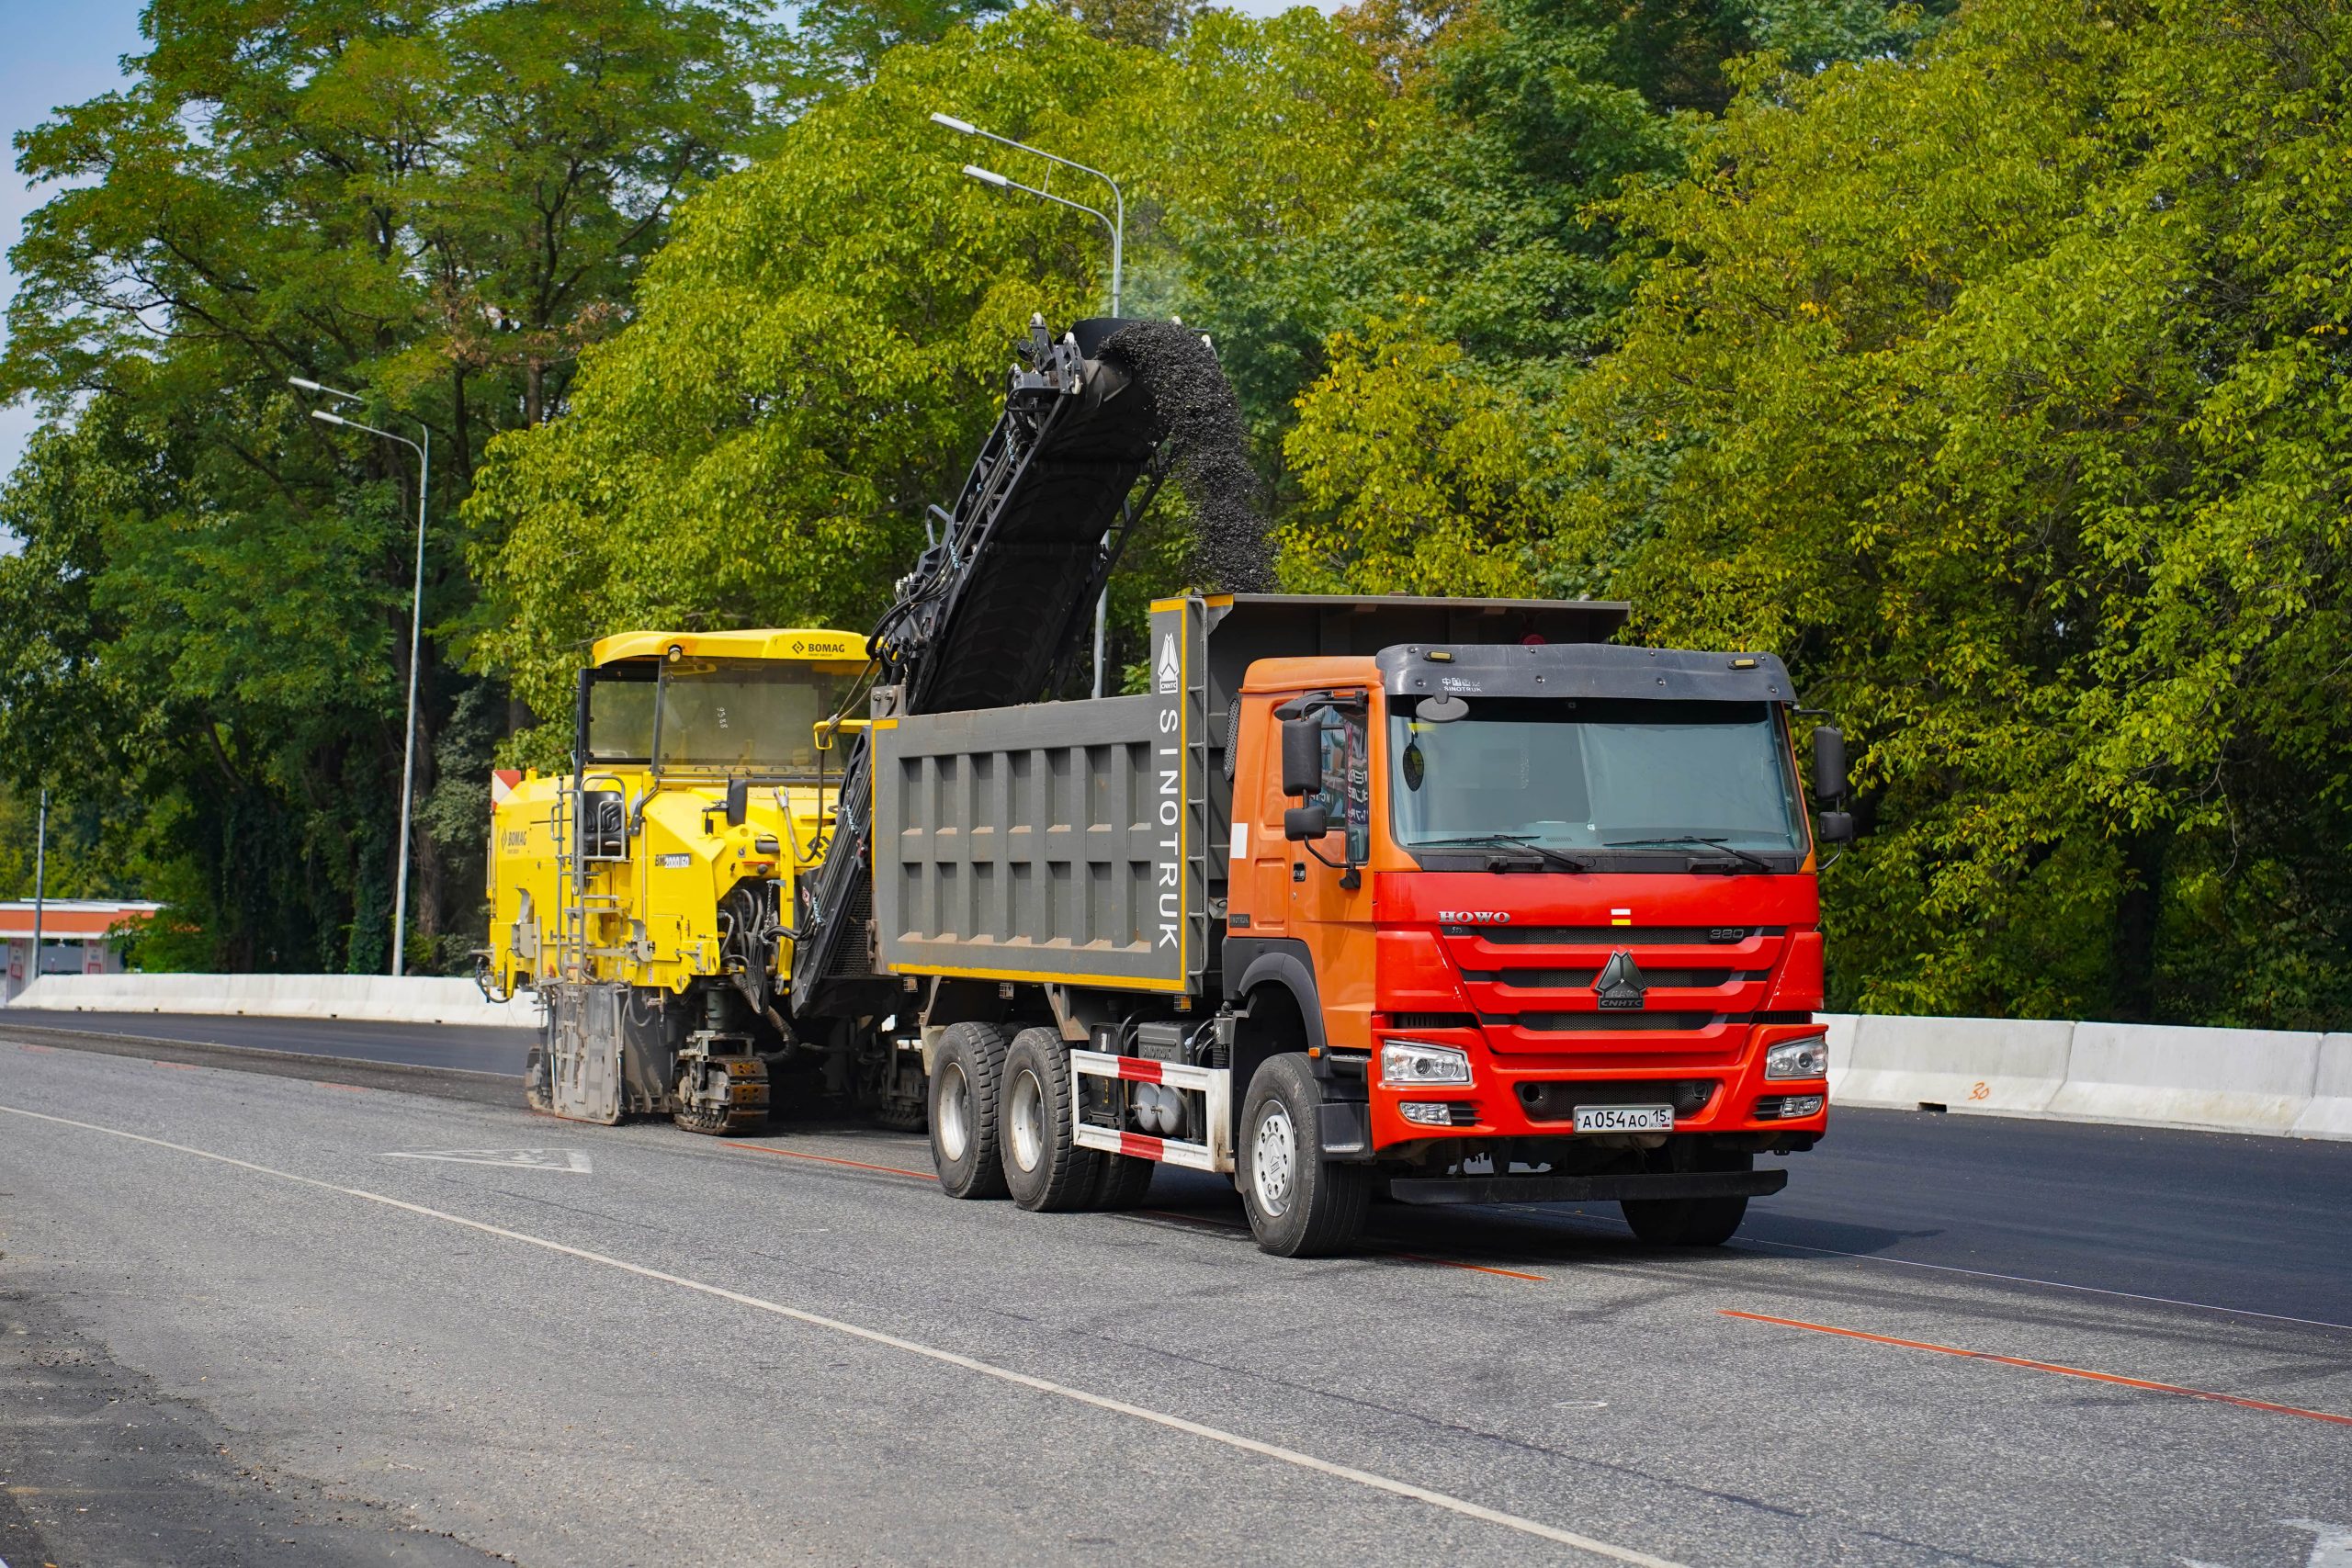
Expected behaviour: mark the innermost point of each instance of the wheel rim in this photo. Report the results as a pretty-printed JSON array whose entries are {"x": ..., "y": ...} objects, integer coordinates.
[
  {"x": 1027, "y": 1115},
  {"x": 954, "y": 1120},
  {"x": 1273, "y": 1159}
]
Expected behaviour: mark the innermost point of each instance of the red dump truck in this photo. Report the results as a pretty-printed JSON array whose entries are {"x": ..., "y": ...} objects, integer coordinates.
[{"x": 1450, "y": 899}]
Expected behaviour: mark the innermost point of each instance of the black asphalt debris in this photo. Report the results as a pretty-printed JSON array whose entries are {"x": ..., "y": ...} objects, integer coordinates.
[{"x": 1209, "y": 450}]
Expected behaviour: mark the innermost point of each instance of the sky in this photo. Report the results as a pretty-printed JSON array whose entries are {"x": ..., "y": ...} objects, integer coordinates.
[
  {"x": 59, "y": 51},
  {"x": 63, "y": 51}
]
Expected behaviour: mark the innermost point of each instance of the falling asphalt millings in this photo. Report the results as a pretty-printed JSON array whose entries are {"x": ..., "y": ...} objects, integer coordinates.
[{"x": 1208, "y": 449}]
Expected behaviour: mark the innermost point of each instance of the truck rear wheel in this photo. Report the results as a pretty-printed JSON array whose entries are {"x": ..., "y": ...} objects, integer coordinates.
[
  {"x": 1043, "y": 1168},
  {"x": 1300, "y": 1204},
  {"x": 1123, "y": 1181},
  {"x": 966, "y": 1077}
]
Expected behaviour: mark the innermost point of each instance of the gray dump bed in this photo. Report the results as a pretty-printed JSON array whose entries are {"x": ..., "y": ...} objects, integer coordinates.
[{"x": 1084, "y": 842}]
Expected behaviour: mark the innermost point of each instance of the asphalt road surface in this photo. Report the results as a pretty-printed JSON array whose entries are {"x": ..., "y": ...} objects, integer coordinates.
[
  {"x": 255, "y": 1318},
  {"x": 484, "y": 1049}
]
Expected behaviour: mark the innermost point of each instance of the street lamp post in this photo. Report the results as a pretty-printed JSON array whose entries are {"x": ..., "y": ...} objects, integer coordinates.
[
  {"x": 415, "y": 645},
  {"x": 40, "y": 882},
  {"x": 1116, "y": 224}
]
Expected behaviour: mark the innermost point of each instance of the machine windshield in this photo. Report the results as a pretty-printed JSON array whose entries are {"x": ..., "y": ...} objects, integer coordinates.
[
  {"x": 1598, "y": 774},
  {"x": 718, "y": 716}
]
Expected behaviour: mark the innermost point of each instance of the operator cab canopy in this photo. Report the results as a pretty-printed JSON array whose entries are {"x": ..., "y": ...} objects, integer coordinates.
[
  {"x": 757, "y": 703},
  {"x": 804, "y": 644}
]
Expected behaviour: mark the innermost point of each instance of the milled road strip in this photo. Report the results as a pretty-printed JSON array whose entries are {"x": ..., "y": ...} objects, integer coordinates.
[
  {"x": 2053, "y": 1284},
  {"x": 2034, "y": 1366},
  {"x": 1365, "y": 1478}
]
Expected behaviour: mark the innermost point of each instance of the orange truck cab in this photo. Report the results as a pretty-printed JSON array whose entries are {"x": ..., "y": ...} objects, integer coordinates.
[
  {"x": 1555, "y": 904},
  {"x": 1453, "y": 900}
]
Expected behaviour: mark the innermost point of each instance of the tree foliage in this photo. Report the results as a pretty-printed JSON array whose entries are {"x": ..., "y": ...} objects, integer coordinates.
[
  {"x": 1990, "y": 365},
  {"x": 822, "y": 346},
  {"x": 438, "y": 204},
  {"x": 2007, "y": 393}
]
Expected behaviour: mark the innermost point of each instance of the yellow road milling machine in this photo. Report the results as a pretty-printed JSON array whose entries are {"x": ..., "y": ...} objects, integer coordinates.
[{"x": 643, "y": 896}]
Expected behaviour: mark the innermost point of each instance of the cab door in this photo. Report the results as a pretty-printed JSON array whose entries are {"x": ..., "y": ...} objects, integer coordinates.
[{"x": 1334, "y": 919}]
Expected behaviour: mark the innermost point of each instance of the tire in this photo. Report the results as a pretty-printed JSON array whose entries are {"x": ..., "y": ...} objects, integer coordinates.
[
  {"x": 967, "y": 1078},
  {"x": 1300, "y": 1204},
  {"x": 1045, "y": 1170},
  {"x": 1684, "y": 1222},
  {"x": 1123, "y": 1182}
]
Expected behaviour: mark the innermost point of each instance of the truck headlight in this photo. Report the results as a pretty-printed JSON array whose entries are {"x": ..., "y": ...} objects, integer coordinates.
[
  {"x": 1410, "y": 1064},
  {"x": 1805, "y": 1058}
]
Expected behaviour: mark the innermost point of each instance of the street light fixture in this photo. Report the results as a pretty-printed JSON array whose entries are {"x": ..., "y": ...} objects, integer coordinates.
[
  {"x": 1116, "y": 224},
  {"x": 415, "y": 643}
]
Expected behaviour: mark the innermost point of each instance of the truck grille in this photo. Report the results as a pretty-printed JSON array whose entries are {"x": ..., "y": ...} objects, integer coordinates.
[
  {"x": 1575, "y": 979},
  {"x": 1431, "y": 1021},
  {"x": 1612, "y": 936},
  {"x": 1605, "y": 1022}
]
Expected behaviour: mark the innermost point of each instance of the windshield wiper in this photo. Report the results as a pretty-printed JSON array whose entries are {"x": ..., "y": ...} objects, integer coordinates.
[
  {"x": 1758, "y": 861},
  {"x": 1501, "y": 841}
]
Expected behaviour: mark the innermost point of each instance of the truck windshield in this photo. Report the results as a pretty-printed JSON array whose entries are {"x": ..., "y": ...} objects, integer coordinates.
[
  {"x": 1635, "y": 776},
  {"x": 744, "y": 716}
]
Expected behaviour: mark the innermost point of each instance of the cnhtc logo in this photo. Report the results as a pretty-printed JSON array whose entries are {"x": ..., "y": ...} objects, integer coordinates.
[
  {"x": 1621, "y": 987},
  {"x": 1168, "y": 676}
]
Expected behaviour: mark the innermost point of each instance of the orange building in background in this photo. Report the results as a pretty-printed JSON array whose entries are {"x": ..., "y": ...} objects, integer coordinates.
[{"x": 77, "y": 937}]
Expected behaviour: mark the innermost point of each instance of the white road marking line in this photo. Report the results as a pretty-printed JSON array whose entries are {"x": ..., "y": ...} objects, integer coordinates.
[
  {"x": 1365, "y": 1478},
  {"x": 512, "y": 1159},
  {"x": 2331, "y": 1544}
]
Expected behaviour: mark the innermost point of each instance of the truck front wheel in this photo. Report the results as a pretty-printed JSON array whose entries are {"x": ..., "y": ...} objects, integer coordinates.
[
  {"x": 1684, "y": 1222},
  {"x": 966, "y": 1075},
  {"x": 1689, "y": 1222},
  {"x": 1300, "y": 1204}
]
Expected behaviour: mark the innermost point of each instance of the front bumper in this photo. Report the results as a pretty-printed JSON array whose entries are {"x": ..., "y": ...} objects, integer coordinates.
[
  {"x": 1712, "y": 1088},
  {"x": 1587, "y": 1189}
]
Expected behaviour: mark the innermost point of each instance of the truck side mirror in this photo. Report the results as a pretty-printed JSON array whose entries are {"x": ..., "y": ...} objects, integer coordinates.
[
  {"x": 1301, "y": 823},
  {"x": 1837, "y": 827},
  {"x": 1829, "y": 782},
  {"x": 739, "y": 801},
  {"x": 1303, "y": 755}
]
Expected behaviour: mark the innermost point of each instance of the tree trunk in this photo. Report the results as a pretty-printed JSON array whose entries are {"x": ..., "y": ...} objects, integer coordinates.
[{"x": 2132, "y": 952}]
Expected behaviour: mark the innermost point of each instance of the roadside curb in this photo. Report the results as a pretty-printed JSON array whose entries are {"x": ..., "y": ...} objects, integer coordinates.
[{"x": 2281, "y": 1083}]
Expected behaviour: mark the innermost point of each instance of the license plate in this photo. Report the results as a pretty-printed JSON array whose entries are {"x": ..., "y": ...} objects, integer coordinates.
[{"x": 1624, "y": 1119}]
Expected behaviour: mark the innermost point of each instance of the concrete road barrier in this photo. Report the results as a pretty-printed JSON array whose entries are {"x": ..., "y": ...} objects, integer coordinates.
[
  {"x": 2246, "y": 1080},
  {"x": 2003, "y": 1067},
  {"x": 380, "y": 997},
  {"x": 2329, "y": 1114}
]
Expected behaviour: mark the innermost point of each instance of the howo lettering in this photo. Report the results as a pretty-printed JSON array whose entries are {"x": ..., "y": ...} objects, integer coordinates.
[{"x": 1455, "y": 899}]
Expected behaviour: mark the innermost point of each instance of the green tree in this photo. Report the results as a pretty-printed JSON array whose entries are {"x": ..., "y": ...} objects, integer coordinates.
[
  {"x": 440, "y": 204},
  {"x": 818, "y": 353},
  {"x": 2004, "y": 390}
]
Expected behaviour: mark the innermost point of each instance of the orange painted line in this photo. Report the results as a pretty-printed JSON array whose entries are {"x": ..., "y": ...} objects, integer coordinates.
[
  {"x": 827, "y": 1159},
  {"x": 44, "y": 1050},
  {"x": 1473, "y": 1267},
  {"x": 2048, "y": 1366},
  {"x": 178, "y": 1066},
  {"x": 350, "y": 1088}
]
